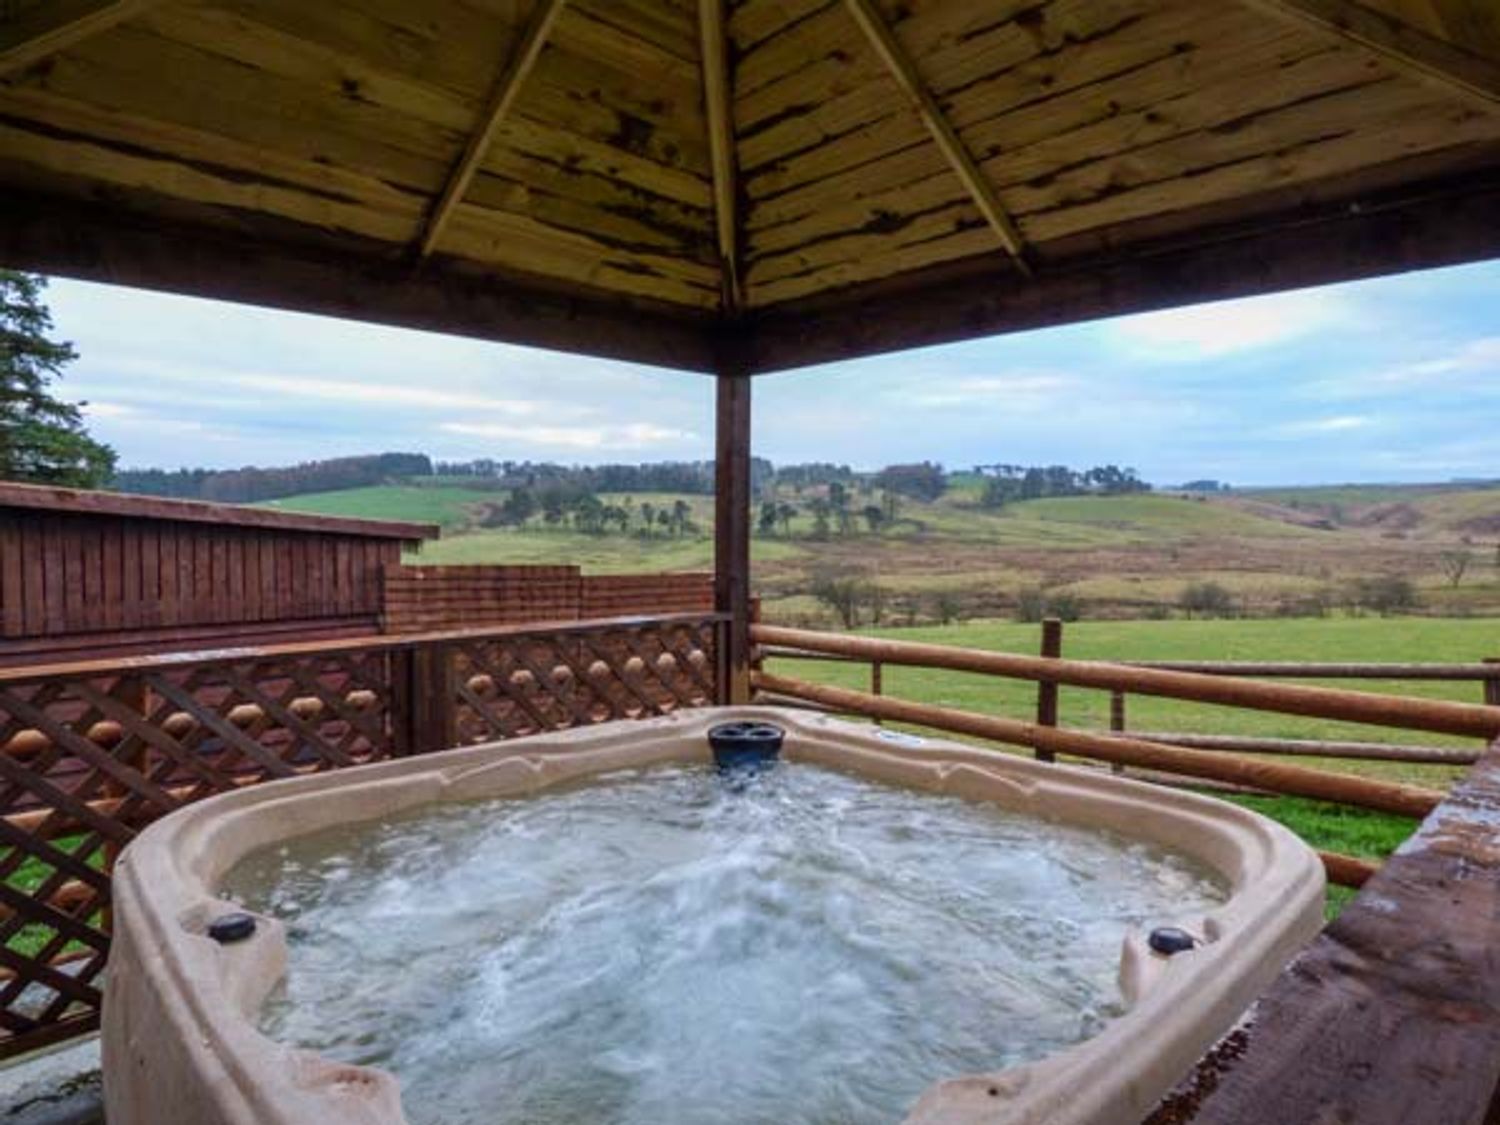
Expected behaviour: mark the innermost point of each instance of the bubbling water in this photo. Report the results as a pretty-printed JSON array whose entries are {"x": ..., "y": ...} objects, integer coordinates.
[{"x": 662, "y": 946}]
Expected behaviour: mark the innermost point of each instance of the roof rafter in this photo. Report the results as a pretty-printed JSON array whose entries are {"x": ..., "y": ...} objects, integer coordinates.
[
  {"x": 713, "y": 39},
  {"x": 58, "y": 24},
  {"x": 901, "y": 67},
  {"x": 502, "y": 99},
  {"x": 1402, "y": 46}
]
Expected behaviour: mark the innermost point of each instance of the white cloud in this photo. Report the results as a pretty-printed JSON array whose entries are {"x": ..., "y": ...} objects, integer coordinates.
[
  {"x": 1018, "y": 390},
  {"x": 634, "y": 435},
  {"x": 1340, "y": 423},
  {"x": 96, "y": 410},
  {"x": 1474, "y": 357},
  {"x": 1469, "y": 368},
  {"x": 1224, "y": 327},
  {"x": 350, "y": 391}
]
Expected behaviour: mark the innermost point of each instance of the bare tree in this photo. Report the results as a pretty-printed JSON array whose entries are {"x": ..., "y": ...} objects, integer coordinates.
[{"x": 1455, "y": 564}]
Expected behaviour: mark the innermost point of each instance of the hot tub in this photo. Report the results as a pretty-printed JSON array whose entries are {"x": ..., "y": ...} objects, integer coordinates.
[{"x": 186, "y": 1013}]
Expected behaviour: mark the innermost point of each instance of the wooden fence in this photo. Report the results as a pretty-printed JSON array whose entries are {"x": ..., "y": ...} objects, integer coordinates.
[
  {"x": 90, "y": 753},
  {"x": 84, "y": 575},
  {"x": 1206, "y": 683},
  {"x": 425, "y": 598}
]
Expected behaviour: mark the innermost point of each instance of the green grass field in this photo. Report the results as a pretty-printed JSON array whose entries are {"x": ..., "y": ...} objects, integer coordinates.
[{"x": 446, "y": 505}]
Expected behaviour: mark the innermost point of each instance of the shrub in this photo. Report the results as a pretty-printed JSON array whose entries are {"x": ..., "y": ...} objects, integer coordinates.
[
  {"x": 1206, "y": 599},
  {"x": 945, "y": 605},
  {"x": 1385, "y": 594},
  {"x": 1034, "y": 603},
  {"x": 1064, "y": 607},
  {"x": 1031, "y": 605}
]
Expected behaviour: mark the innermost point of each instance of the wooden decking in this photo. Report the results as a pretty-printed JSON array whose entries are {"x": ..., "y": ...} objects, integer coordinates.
[{"x": 1392, "y": 1016}]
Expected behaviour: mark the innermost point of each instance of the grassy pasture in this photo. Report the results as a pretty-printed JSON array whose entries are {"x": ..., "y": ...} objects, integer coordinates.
[{"x": 448, "y": 505}]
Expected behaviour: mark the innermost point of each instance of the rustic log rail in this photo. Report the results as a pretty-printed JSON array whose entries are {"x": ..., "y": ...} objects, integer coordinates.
[
  {"x": 1437, "y": 716},
  {"x": 1200, "y": 757},
  {"x": 1383, "y": 796},
  {"x": 92, "y": 752}
]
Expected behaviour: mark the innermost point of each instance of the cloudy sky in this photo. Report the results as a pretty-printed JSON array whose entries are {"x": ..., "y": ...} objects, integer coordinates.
[{"x": 1397, "y": 379}]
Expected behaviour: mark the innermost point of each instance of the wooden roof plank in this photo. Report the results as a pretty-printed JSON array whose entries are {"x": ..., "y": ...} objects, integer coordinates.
[
  {"x": 58, "y": 24},
  {"x": 901, "y": 67},
  {"x": 1427, "y": 223},
  {"x": 502, "y": 98},
  {"x": 1402, "y": 46},
  {"x": 718, "y": 112},
  {"x": 1277, "y": 131}
]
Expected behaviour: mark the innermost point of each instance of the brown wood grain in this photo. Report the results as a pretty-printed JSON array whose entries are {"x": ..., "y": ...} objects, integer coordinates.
[
  {"x": 1392, "y": 1016},
  {"x": 55, "y": 499}
]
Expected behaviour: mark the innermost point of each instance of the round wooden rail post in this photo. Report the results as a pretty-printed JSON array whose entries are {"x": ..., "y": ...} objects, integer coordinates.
[
  {"x": 1439, "y": 716},
  {"x": 1297, "y": 781},
  {"x": 1046, "y": 690},
  {"x": 1347, "y": 870}
]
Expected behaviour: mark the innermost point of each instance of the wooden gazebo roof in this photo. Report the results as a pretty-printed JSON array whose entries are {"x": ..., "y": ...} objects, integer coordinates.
[{"x": 798, "y": 180}]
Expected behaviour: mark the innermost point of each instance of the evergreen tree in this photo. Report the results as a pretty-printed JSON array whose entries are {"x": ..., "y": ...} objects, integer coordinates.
[{"x": 42, "y": 439}]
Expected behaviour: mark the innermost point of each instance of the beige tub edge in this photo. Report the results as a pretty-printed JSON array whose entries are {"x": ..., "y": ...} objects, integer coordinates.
[{"x": 180, "y": 1044}]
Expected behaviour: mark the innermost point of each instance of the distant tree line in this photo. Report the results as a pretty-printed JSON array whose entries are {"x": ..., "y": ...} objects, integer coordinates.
[
  {"x": 695, "y": 477},
  {"x": 569, "y": 505},
  {"x": 248, "y": 485},
  {"x": 1006, "y": 483}
]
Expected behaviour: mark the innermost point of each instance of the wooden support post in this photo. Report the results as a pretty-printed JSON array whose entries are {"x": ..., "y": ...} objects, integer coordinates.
[
  {"x": 1046, "y": 693},
  {"x": 423, "y": 706},
  {"x": 1117, "y": 721},
  {"x": 1492, "y": 687},
  {"x": 732, "y": 532},
  {"x": 877, "y": 670}
]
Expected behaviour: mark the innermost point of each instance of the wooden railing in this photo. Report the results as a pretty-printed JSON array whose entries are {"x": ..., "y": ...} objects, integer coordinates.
[
  {"x": 1160, "y": 755},
  {"x": 90, "y": 753}
]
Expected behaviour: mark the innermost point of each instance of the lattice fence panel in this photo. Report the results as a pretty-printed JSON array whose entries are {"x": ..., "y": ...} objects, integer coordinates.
[
  {"x": 87, "y": 761},
  {"x": 510, "y": 686}
]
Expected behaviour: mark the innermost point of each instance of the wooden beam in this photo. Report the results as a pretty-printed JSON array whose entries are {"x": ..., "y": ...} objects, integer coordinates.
[
  {"x": 904, "y": 71},
  {"x": 286, "y": 265},
  {"x": 1392, "y": 1016},
  {"x": 1401, "y": 46},
  {"x": 713, "y": 37},
  {"x": 55, "y": 25},
  {"x": 502, "y": 98},
  {"x": 1423, "y": 225},
  {"x": 732, "y": 528}
]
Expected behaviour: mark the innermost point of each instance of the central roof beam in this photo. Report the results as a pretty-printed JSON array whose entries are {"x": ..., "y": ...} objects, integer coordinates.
[
  {"x": 502, "y": 99},
  {"x": 55, "y": 25},
  {"x": 1401, "y": 46},
  {"x": 713, "y": 39},
  {"x": 900, "y": 64}
]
